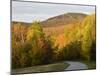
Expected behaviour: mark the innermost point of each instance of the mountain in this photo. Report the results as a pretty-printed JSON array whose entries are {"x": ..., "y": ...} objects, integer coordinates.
[
  {"x": 64, "y": 19},
  {"x": 55, "y": 25}
]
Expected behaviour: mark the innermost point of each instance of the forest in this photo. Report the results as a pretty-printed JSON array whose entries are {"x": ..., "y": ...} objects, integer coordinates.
[{"x": 35, "y": 44}]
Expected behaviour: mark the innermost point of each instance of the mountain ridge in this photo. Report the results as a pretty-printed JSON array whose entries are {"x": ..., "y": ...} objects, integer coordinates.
[{"x": 63, "y": 19}]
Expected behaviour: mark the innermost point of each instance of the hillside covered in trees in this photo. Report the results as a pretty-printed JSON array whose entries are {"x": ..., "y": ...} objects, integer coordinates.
[{"x": 69, "y": 36}]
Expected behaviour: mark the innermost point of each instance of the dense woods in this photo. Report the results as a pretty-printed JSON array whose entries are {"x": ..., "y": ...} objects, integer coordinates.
[{"x": 32, "y": 46}]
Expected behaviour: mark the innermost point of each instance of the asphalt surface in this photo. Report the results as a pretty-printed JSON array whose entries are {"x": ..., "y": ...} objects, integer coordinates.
[{"x": 74, "y": 65}]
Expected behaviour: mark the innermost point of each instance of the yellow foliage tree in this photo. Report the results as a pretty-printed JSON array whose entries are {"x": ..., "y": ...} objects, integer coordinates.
[{"x": 88, "y": 24}]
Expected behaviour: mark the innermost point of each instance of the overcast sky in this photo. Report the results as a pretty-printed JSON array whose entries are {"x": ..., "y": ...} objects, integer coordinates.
[{"x": 30, "y": 11}]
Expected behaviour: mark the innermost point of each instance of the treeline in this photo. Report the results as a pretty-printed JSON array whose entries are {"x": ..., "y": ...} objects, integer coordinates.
[{"x": 31, "y": 47}]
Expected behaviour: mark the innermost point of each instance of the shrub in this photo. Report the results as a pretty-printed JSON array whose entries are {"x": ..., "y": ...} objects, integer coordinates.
[
  {"x": 20, "y": 56},
  {"x": 72, "y": 51},
  {"x": 93, "y": 51}
]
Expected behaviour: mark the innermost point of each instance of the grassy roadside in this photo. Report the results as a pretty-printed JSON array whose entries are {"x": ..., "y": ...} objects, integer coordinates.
[
  {"x": 43, "y": 68},
  {"x": 90, "y": 65}
]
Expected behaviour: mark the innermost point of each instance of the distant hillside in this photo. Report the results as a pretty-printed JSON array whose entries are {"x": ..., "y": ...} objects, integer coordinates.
[
  {"x": 22, "y": 23},
  {"x": 64, "y": 19},
  {"x": 55, "y": 25}
]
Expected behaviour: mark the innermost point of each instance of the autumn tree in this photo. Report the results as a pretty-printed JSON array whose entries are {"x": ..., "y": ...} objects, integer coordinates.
[
  {"x": 41, "y": 50},
  {"x": 19, "y": 32},
  {"x": 88, "y": 24},
  {"x": 72, "y": 48},
  {"x": 19, "y": 54}
]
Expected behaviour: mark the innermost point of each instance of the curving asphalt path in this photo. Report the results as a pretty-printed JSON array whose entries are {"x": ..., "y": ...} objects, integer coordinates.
[{"x": 74, "y": 65}]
